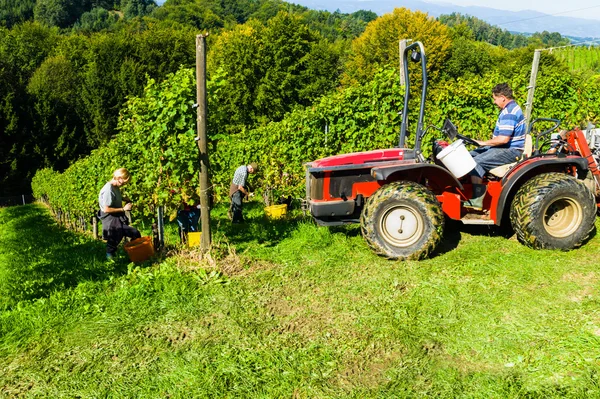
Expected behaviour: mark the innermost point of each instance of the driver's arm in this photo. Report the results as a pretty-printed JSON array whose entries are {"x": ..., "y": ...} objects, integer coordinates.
[{"x": 497, "y": 140}]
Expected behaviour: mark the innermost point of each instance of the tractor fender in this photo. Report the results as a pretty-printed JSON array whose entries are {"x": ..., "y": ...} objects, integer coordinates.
[
  {"x": 515, "y": 179},
  {"x": 438, "y": 177}
]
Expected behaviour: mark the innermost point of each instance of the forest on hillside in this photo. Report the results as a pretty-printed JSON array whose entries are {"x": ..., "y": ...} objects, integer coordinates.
[{"x": 71, "y": 71}]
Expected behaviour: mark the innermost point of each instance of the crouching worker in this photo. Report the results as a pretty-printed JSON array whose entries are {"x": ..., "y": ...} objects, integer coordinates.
[
  {"x": 187, "y": 219},
  {"x": 112, "y": 213},
  {"x": 238, "y": 190}
]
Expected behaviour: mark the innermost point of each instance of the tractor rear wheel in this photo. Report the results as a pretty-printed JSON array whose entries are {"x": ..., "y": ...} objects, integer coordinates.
[
  {"x": 553, "y": 211},
  {"x": 402, "y": 220}
]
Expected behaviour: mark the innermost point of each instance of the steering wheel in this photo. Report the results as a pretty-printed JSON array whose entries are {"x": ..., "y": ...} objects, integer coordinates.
[
  {"x": 467, "y": 140},
  {"x": 452, "y": 132}
]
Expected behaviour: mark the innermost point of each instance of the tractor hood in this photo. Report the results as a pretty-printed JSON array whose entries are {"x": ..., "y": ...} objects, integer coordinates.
[{"x": 358, "y": 158}]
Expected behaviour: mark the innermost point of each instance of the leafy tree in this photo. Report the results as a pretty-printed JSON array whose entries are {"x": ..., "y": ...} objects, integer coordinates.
[
  {"x": 235, "y": 73},
  {"x": 230, "y": 11},
  {"x": 336, "y": 25},
  {"x": 469, "y": 57},
  {"x": 240, "y": 10},
  {"x": 285, "y": 47},
  {"x": 191, "y": 13},
  {"x": 54, "y": 13},
  {"x": 461, "y": 31},
  {"x": 260, "y": 72},
  {"x": 118, "y": 65},
  {"x": 364, "y": 15},
  {"x": 519, "y": 41},
  {"x": 57, "y": 124},
  {"x": 61, "y": 95},
  {"x": 96, "y": 20},
  {"x": 64, "y": 13},
  {"x": 269, "y": 9},
  {"x": 13, "y": 12},
  {"x": 549, "y": 39},
  {"x": 22, "y": 50},
  {"x": 377, "y": 47},
  {"x": 137, "y": 8}
]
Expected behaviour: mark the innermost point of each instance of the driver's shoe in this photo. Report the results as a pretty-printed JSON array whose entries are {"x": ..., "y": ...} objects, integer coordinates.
[{"x": 476, "y": 202}]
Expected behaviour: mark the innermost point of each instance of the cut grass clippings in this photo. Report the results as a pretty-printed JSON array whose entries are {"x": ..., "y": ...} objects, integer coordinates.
[{"x": 288, "y": 309}]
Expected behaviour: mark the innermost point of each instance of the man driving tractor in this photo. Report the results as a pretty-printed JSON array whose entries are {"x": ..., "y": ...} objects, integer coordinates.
[{"x": 504, "y": 147}]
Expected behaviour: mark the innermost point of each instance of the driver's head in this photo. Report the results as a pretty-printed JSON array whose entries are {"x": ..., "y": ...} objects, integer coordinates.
[{"x": 502, "y": 94}]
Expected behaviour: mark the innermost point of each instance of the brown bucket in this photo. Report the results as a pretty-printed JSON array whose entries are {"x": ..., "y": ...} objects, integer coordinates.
[{"x": 140, "y": 249}]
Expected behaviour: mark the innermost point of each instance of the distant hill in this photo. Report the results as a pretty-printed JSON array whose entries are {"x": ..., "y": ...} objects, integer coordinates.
[{"x": 527, "y": 21}]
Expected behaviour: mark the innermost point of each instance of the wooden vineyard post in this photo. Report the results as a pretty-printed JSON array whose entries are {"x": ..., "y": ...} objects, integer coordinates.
[
  {"x": 161, "y": 226},
  {"x": 95, "y": 227},
  {"x": 201, "y": 140},
  {"x": 531, "y": 88}
]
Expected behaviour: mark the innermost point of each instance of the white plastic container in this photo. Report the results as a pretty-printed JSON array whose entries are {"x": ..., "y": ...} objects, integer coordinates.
[{"x": 457, "y": 159}]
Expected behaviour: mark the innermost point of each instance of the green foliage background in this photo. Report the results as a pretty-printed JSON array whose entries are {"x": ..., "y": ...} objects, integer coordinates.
[
  {"x": 111, "y": 86},
  {"x": 66, "y": 72},
  {"x": 156, "y": 139}
]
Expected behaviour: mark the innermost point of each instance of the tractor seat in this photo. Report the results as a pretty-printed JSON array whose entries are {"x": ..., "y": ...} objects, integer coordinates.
[{"x": 500, "y": 171}]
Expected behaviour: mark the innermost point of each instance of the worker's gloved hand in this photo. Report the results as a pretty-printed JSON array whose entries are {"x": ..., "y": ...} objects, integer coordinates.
[{"x": 250, "y": 195}]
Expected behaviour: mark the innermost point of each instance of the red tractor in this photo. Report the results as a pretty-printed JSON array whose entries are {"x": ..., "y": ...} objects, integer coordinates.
[{"x": 550, "y": 196}]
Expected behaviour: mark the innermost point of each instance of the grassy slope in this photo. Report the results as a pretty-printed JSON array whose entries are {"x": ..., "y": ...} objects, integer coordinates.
[{"x": 300, "y": 311}]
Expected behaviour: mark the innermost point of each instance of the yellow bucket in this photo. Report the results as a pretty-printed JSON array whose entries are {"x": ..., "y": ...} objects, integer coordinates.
[
  {"x": 194, "y": 238},
  {"x": 276, "y": 211}
]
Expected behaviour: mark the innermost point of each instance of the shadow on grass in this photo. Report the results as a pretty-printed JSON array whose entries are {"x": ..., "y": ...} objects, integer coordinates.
[
  {"x": 260, "y": 230},
  {"x": 41, "y": 257},
  {"x": 450, "y": 240},
  {"x": 350, "y": 230},
  {"x": 256, "y": 228},
  {"x": 454, "y": 229}
]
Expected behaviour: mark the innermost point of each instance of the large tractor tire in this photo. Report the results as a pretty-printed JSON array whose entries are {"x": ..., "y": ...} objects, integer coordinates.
[
  {"x": 402, "y": 220},
  {"x": 553, "y": 211}
]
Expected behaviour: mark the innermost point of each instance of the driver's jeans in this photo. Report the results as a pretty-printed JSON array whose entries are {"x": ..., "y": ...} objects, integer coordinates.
[{"x": 487, "y": 158}]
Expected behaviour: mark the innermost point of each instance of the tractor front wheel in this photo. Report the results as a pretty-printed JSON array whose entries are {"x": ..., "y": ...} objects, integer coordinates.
[
  {"x": 553, "y": 211},
  {"x": 402, "y": 220}
]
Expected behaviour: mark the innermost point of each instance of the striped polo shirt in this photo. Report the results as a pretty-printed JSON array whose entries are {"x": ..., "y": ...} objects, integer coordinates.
[{"x": 511, "y": 122}]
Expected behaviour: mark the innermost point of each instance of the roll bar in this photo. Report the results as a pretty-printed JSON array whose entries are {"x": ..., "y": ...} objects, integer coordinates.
[{"x": 418, "y": 53}]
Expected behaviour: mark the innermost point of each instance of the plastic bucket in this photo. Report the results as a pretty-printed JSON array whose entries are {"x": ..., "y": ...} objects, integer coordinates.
[
  {"x": 140, "y": 249},
  {"x": 276, "y": 211},
  {"x": 457, "y": 159},
  {"x": 194, "y": 238}
]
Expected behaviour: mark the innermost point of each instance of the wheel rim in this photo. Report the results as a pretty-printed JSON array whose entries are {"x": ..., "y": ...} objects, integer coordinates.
[
  {"x": 402, "y": 226},
  {"x": 563, "y": 217}
]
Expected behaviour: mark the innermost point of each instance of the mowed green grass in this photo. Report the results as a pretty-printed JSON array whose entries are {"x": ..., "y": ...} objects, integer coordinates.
[{"x": 290, "y": 310}]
